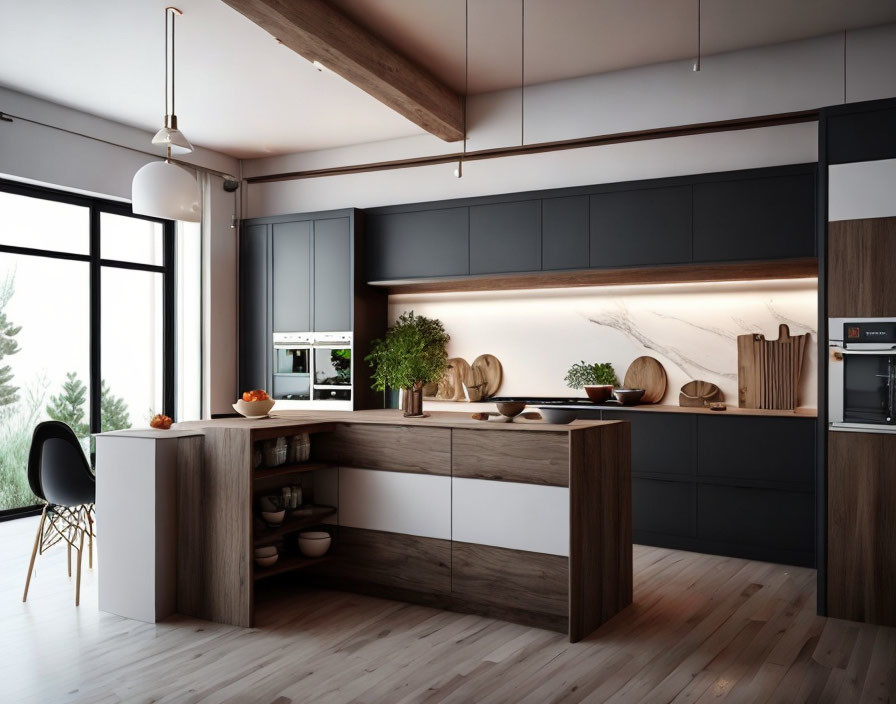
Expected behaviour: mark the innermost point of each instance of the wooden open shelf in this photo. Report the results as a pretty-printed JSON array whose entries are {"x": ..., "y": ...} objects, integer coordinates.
[
  {"x": 268, "y": 472},
  {"x": 294, "y": 523},
  {"x": 288, "y": 564}
]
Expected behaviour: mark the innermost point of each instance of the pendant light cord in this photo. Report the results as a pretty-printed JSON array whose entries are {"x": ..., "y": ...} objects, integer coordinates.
[
  {"x": 699, "y": 32},
  {"x": 522, "y": 72},
  {"x": 466, "y": 67}
]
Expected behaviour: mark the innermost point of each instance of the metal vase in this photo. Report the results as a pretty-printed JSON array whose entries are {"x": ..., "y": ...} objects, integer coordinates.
[{"x": 412, "y": 401}]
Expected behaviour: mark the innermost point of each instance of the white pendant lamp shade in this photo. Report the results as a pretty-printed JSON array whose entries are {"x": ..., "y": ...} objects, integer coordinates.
[
  {"x": 165, "y": 190},
  {"x": 174, "y": 138}
]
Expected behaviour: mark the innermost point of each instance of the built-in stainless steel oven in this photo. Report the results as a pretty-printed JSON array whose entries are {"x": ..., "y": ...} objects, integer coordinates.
[
  {"x": 292, "y": 366},
  {"x": 862, "y": 374},
  {"x": 332, "y": 364}
]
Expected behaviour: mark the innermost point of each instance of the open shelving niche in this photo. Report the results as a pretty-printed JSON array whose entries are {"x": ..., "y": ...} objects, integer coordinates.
[{"x": 292, "y": 560}]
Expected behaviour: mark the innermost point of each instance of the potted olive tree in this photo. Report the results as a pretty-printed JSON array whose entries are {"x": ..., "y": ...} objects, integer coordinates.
[
  {"x": 598, "y": 379},
  {"x": 411, "y": 355}
]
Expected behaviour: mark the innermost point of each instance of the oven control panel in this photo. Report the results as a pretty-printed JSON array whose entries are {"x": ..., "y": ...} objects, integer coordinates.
[{"x": 869, "y": 332}]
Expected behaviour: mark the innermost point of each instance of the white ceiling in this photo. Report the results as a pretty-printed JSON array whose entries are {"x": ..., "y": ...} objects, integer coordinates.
[{"x": 241, "y": 93}]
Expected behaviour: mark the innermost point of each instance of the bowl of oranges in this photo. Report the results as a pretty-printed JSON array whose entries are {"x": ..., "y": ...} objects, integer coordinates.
[{"x": 254, "y": 404}]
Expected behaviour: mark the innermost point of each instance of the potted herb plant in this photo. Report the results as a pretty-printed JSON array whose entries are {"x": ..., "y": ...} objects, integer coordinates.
[
  {"x": 598, "y": 379},
  {"x": 411, "y": 355}
]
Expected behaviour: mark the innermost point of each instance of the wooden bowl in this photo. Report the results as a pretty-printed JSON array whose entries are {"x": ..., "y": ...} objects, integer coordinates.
[
  {"x": 559, "y": 416},
  {"x": 267, "y": 561},
  {"x": 273, "y": 518},
  {"x": 599, "y": 393},
  {"x": 628, "y": 397},
  {"x": 510, "y": 409},
  {"x": 314, "y": 543},
  {"x": 253, "y": 409}
]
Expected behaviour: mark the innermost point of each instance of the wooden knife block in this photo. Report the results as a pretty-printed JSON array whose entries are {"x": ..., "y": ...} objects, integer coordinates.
[{"x": 768, "y": 371}]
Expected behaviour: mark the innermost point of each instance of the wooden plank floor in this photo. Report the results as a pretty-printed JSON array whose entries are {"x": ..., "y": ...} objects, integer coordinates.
[{"x": 702, "y": 628}]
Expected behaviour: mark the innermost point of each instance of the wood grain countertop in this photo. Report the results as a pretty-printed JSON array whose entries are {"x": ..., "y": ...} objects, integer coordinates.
[{"x": 316, "y": 420}]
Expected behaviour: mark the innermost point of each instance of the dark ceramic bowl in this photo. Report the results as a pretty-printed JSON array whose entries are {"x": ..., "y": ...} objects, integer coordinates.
[
  {"x": 560, "y": 416},
  {"x": 600, "y": 393},
  {"x": 510, "y": 409},
  {"x": 628, "y": 397}
]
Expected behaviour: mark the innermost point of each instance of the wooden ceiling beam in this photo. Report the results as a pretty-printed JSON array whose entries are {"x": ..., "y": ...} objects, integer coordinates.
[{"x": 319, "y": 32}]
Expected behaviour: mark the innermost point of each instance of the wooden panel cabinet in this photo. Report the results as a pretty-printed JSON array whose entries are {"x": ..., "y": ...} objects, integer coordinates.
[
  {"x": 564, "y": 233},
  {"x": 291, "y": 276},
  {"x": 505, "y": 237},
  {"x": 333, "y": 283},
  {"x": 393, "y": 448},
  {"x": 509, "y": 579},
  {"x": 641, "y": 227},
  {"x": 406, "y": 562},
  {"x": 535, "y": 458},
  {"x": 255, "y": 325},
  {"x": 395, "y": 502},
  {"x": 769, "y": 217},
  {"x": 418, "y": 244},
  {"x": 860, "y": 268},
  {"x": 510, "y": 515},
  {"x": 861, "y": 568}
]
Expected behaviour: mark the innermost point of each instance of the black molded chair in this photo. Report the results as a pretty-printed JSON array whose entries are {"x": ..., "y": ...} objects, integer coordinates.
[{"x": 60, "y": 475}]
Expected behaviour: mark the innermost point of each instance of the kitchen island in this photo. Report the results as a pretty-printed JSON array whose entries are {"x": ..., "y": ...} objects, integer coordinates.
[{"x": 526, "y": 521}]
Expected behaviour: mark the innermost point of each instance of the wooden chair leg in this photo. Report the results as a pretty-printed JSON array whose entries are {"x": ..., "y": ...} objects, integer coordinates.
[
  {"x": 69, "y": 559},
  {"x": 40, "y": 531},
  {"x": 78, "y": 578}
]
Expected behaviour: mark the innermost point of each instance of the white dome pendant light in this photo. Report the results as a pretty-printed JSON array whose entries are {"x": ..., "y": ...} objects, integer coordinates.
[{"x": 163, "y": 189}]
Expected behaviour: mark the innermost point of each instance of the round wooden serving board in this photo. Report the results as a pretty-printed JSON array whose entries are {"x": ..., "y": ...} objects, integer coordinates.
[
  {"x": 648, "y": 374},
  {"x": 487, "y": 368}
]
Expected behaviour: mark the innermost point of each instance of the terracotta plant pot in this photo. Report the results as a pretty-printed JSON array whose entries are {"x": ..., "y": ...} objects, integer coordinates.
[{"x": 599, "y": 393}]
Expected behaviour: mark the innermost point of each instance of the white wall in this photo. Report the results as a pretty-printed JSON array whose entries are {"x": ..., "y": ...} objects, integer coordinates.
[
  {"x": 784, "y": 78},
  {"x": 865, "y": 189},
  {"x": 37, "y": 154},
  {"x": 691, "y": 329}
]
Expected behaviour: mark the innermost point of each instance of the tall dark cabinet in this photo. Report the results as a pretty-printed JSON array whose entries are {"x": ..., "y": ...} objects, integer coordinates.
[{"x": 300, "y": 273}]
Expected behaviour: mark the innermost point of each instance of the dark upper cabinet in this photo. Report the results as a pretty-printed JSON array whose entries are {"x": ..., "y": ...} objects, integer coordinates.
[
  {"x": 778, "y": 450},
  {"x": 291, "y": 276},
  {"x": 641, "y": 227},
  {"x": 254, "y": 321},
  {"x": 333, "y": 266},
  {"x": 859, "y": 131},
  {"x": 418, "y": 244},
  {"x": 564, "y": 233},
  {"x": 771, "y": 217},
  {"x": 505, "y": 237}
]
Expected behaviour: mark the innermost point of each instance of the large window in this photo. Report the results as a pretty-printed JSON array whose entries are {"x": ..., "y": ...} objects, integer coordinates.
[{"x": 86, "y": 322}]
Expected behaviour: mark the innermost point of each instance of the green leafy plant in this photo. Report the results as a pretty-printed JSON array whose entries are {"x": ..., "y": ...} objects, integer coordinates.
[
  {"x": 412, "y": 353},
  {"x": 582, "y": 374},
  {"x": 8, "y": 344}
]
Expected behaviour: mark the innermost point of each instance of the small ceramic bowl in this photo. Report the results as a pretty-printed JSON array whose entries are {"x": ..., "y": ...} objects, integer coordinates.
[
  {"x": 266, "y": 561},
  {"x": 560, "y": 416},
  {"x": 510, "y": 409},
  {"x": 314, "y": 543},
  {"x": 600, "y": 393},
  {"x": 628, "y": 397},
  {"x": 273, "y": 518},
  {"x": 253, "y": 409},
  {"x": 266, "y": 551}
]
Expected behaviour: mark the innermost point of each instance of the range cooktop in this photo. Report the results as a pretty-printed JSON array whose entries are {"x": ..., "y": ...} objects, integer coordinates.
[{"x": 551, "y": 401}]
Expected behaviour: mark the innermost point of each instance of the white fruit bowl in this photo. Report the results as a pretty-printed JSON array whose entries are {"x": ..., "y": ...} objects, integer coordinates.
[{"x": 253, "y": 409}]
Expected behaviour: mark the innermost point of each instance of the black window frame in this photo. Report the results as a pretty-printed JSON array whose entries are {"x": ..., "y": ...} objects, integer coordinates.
[{"x": 96, "y": 206}]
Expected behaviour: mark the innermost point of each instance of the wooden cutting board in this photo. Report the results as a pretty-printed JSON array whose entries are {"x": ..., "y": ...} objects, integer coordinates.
[
  {"x": 698, "y": 394},
  {"x": 768, "y": 371},
  {"x": 451, "y": 385},
  {"x": 648, "y": 374},
  {"x": 487, "y": 373}
]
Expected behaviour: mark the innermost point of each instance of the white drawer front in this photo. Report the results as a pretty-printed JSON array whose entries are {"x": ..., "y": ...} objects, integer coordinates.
[
  {"x": 510, "y": 515},
  {"x": 397, "y": 502}
]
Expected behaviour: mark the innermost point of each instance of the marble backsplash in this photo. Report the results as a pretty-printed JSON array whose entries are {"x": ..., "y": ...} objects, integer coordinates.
[{"x": 690, "y": 328}]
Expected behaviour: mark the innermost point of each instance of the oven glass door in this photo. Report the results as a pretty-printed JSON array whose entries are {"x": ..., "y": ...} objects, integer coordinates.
[
  {"x": 333, "y": 367},
  {"x": 869, "y": 384},
  {"x": 292, "y": 376}
]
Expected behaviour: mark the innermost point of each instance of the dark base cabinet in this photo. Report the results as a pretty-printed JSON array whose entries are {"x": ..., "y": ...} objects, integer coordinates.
[{"x": 729, "y": 485}]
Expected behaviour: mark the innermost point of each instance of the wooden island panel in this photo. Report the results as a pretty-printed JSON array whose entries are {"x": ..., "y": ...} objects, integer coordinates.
[
  {"x": 395, "y": 448},
  {"x": 530, "y": 458}
]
